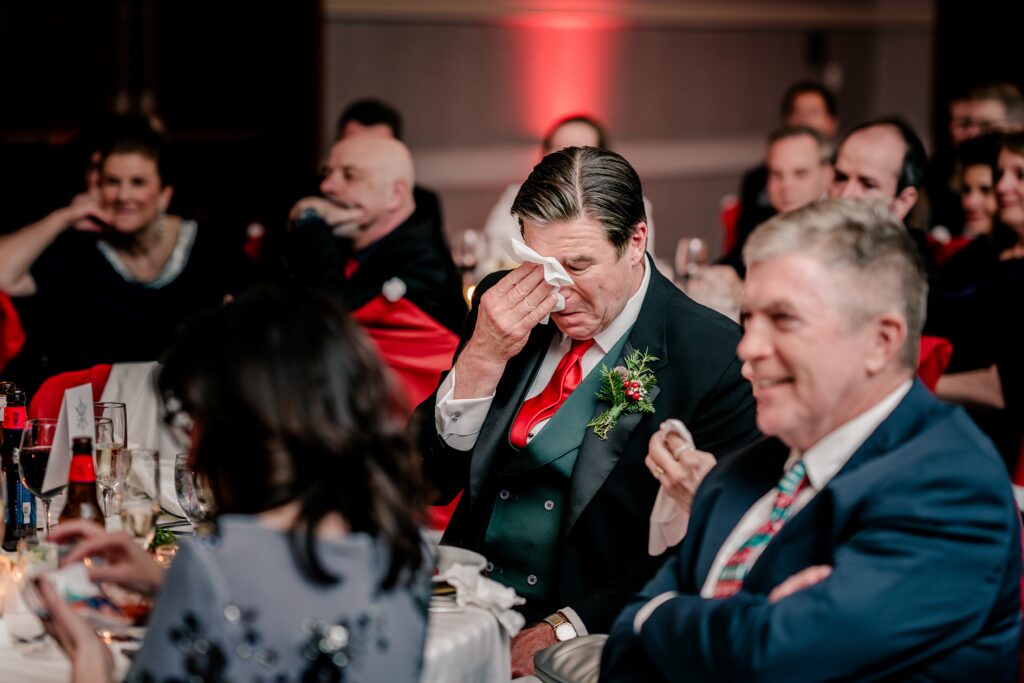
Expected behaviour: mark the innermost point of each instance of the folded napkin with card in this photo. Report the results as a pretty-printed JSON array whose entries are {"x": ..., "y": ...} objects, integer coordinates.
[
  {"x": 554, "y": 273},
  {"x": 472, "y": 588}
]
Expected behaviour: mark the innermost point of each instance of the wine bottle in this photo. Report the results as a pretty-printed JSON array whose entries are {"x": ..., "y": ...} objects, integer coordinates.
[
  {"x": 20, "y": 512},
  {"x": 81, "y": 497}
]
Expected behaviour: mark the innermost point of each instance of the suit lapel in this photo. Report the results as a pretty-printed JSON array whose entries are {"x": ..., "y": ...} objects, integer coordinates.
[
  {"x": 508, "y": 397},
  {"x": 598, "y": 457}
]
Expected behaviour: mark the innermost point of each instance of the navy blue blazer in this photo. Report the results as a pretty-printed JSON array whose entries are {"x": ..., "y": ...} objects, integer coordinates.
[{"x": 923, "y": 537}]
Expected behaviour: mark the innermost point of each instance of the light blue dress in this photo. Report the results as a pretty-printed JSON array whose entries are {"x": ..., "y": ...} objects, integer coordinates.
[{"x": 235, "y": 607}]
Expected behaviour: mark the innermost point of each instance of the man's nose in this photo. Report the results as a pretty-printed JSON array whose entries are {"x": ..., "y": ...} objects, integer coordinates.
[
  {"x": 331, "y": 184},
  {"x": 850, "y": 190}
]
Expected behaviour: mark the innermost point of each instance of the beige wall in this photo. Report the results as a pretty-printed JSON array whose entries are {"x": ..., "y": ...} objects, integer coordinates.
[{"x": 687, "y": 89}]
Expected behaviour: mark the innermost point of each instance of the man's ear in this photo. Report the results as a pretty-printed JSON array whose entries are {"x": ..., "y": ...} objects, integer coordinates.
[
  {"x": 400, "y": 189},
  {"x": 904, "y": 202},
  {"x": 638, "y": 243},
  {"x": 889, "y": 336}
]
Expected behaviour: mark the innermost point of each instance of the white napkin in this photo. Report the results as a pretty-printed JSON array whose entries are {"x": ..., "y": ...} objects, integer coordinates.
[
  {"x": 473, "y": 589},
  {"x": 668, "y": 520},
  {"x": 554, "y": 273}
]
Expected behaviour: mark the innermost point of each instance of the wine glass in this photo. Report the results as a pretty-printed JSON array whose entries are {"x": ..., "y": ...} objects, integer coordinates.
[
  {"x": 34, "y": 454},
  {"x": 112, "y": 461},
  {"x": 140, "y": 504},
  {"x": 193, "y": 494}
]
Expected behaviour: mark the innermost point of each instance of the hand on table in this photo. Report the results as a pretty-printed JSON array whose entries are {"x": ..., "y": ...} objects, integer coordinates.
[
  {"x": 529, "y": 642},
  {"x": 91, "y": 660},
  {"x": 804, "y": 578},
  {"x": 507, "y": 314},
  {"x": 124, "y": 562},
  {"x": 677, "y": 467}
]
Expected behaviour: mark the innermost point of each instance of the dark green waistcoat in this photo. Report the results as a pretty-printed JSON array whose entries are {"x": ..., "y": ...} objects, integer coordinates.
[{"x": 526, "y": 526}]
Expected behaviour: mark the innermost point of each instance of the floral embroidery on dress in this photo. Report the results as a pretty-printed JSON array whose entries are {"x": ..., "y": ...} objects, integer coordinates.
[{"x": 332, "y": 649}]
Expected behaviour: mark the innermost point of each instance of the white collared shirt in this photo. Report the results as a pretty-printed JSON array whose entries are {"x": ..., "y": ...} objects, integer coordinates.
[
  {"x": 823, "y": 461},
  {"x": 459, "y": 421}
]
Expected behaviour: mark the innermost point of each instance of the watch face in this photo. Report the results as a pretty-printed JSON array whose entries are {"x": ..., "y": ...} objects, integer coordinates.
[{"x": 565, "y": 632}]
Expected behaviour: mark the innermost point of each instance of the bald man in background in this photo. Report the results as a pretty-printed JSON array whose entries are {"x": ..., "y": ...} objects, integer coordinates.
[{"x": 363, "y": 242}]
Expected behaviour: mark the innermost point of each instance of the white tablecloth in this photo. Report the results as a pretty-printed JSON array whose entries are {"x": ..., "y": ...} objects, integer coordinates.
[
  {"x": 462, "y": 647},
  {"x": 467, "y": 646}
]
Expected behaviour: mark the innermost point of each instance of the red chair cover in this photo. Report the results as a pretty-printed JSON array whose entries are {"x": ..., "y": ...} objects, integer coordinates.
[
  {"x": 12, "y": 335},
  {"x": 933, "y": 359},
  {"x": 943, "y": 251},
  {"x": 729, "y": 215},
  {"x": 46, "y": 402},
  {"x": 418, "y": 349}
]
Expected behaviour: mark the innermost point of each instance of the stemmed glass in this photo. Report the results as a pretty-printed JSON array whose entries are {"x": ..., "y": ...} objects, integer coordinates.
[
  {"x": 34, "y": 454},
  {"x": 140, "y": 505},
  {"x": 112, "y": 461},
  {"x": 193, "y": 495}
]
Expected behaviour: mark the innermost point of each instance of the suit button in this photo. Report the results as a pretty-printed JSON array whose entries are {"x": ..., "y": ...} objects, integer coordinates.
[
  {"x": 532, "y": 580},
  {"x": 549, "y": 505},
  {"x": 504, "y": 494},
  {"x": 489, "y": 567}
]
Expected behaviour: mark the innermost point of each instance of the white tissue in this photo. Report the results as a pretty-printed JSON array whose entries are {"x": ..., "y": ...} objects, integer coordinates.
[
  {"x": 668, "y": 520},
  {"x": 471, "y": 588},
  {"x": 554, "y": 273}
]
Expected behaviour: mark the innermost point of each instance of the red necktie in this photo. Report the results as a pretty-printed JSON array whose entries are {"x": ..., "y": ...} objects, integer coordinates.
[
  {"x": 567, "y": 377},
  {"x": 351, "y": 266}
]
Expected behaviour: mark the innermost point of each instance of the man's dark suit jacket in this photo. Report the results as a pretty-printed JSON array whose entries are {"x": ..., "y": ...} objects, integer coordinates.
[
  {"x": 923, "y": 537},
  {"x": 603, "y": 549}
]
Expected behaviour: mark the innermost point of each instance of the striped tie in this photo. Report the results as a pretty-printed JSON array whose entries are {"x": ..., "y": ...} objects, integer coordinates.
[{"x": 739, "y": 565}]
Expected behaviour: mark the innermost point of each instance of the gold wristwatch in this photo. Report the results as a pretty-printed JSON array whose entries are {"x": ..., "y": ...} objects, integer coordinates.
[{"x": 563, "y": 629}]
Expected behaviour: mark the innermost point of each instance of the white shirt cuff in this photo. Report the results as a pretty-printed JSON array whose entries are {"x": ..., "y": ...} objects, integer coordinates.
[
  {"x": 647, "y": 610},
  {"x": 458, "y": 421},
  {"x": 570, "y": 615}
]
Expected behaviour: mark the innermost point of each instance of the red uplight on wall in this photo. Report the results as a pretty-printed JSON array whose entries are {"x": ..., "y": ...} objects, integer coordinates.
[{"x": 565, "y": 63}]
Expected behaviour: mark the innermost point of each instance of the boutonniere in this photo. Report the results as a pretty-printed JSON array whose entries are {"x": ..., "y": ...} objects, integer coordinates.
[{"x": 627, "y": 388}]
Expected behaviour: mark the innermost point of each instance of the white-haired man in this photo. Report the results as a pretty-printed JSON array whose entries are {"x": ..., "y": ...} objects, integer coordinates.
[{"x": 874, "y": 535}]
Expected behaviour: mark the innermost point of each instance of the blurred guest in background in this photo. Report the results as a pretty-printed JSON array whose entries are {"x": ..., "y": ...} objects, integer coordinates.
[
  {"x": 293, "y": 423},
  {"x": 996, "y": 107},
  {"x": 807, "y": 103},
  {"x": 982, "y": 318},
  {"x": 377, "y": 117},
  {"x": 578, "y": 130},
  {"x": 110, "y": 277},
  {"x": 363, "y": 242},
  {"x": 817, "y": 557},
  {"x": 799, "y": 171}
]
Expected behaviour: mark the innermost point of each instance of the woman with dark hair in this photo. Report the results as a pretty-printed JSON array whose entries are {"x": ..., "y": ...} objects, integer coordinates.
[
  {"x": 987, "y": 372},
  {"x": 317, "y": 569},
  {"x": 116, "y": 261}
]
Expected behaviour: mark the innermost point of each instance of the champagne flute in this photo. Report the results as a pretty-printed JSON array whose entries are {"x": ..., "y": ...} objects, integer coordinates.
[
  {"x": 118, "y": 415},
  {"x": 193, "y": 494},
  {"x": 112, "y": 461},
  {"x": 140, "y": 505},
  {"x": 34, "y": 454}
]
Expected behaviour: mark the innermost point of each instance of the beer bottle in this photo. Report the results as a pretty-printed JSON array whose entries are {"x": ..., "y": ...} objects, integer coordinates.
[
  {"x": 81, "y": 497},
  {"x": 20, "y": 512},
  {"x": 4, "y": 388}
]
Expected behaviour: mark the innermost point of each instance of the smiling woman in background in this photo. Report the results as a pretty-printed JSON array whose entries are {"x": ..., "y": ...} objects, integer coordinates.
[{"x": 108, "y": 278}]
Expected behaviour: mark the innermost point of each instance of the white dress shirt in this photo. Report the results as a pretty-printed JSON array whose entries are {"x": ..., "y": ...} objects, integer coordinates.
[
  {"x": 459, "y": 421},
  {"x": 823, "y": 461}
]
